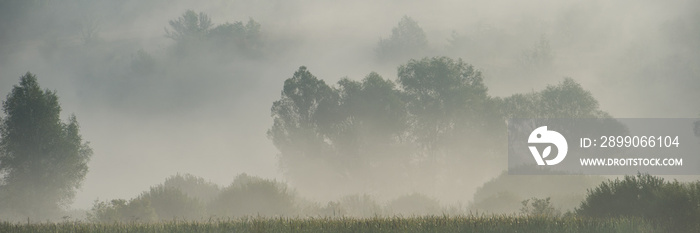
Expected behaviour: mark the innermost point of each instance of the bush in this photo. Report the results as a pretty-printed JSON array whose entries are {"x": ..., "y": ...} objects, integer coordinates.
[
  {"x": 186, "y": 197},
  {"x": 179, "y": 197},
  {"x": 118, "y": 210},
  {"x": 171, "y": 203},
  {"x": 540, "y": 207},
  {"x": 160, "y": 203},
  {"x": 677, "y": 205},
  {"x": 504, "y": 194},
  {"x": 249, "y": 195},
  {"x": 193, "y": 186}
]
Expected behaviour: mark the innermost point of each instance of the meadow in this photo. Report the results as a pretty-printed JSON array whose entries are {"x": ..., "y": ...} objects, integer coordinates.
[{"x": 377, "y": 224}]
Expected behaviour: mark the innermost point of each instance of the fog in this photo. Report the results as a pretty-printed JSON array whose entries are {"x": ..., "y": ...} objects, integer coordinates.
[{"x": 208, "y": 114}]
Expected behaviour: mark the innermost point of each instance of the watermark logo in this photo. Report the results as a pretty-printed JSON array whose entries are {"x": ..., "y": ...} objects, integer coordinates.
[
  {"x": 606, "y": 146},
  {"x": 542, "y": 135}
]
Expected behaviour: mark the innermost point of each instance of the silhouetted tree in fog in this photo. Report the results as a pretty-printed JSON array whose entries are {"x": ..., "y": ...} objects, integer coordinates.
[
  {"x": 568, "y": 99},
  {"x": 301, "y": 120},
  {"x": 447, "y": 98},
  {"x": 189, "y": 26},
  {"x": 407, "y": 39},
  {"x": 438, "y": 122},
  {"x": 42, "y": 159},
  {"x": 351, "y": 130},
  {"x": 195, "y": 32},
  {"x": 370, "y": 121}
]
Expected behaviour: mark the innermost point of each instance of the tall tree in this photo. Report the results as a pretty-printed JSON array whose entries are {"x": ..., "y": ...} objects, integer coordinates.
[
  {"x": 448, "y": 101},
  {"x": 346, "y": 131},
  {"x": 407, "y": 39},
  {"x": 42, "y": 159},
  {"x": 189, "y": 26},
  {"x": 568, "y": 99},
  {"x": 454, "y": 120},
  {"x": 302, "y": 119}
]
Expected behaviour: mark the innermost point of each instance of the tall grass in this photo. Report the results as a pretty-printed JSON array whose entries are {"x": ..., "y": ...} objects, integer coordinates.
[{"x": 377, "y": 224}]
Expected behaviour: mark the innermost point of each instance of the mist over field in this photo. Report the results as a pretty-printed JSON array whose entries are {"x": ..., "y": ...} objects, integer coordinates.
[{"x": 154, "y": 103}]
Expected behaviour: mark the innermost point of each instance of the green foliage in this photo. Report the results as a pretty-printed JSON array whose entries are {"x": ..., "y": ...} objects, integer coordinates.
[
  {"x": 407, "y": 39},
  {"x": 455, "y": 123},
  {"x": 190, "y": 26},
  {"x": 160, "y": 203},
  {"x": 345, "y": 128},
  {"x": 439, "y": 121},
  {"x": 195, "y": 33},
  {"x": 368, "y": 124},
  {"x": 374, "y": 104},
  {"x": 42, "y": 159},
  {"x": 377, "y": 224},
  {"x": 568, "y": 99},
  {"x": 172, "y": 203},
  {"x": 181, "y": 197},
  {"x": 538, "y": 207},
  {"x": 193, "y": 186},
  {"x": 448, "y": 101},
  {"x": 237, "y": 36},
  {"x": 504, "y": 194},
  {"x": 300, "y": 118},
  {"x": 119, "y": 210},
  {"x": 248, "y": 196},
  {"x": 187, "y": 197},
  {"x": 676, "y": 204}
]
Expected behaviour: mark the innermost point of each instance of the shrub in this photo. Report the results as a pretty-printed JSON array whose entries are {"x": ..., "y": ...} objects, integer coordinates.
[
  {"x": 504, "y": 194},
  {"x": 171, "y": 203},
  {"x": 540, "y": 207},
  {"x": 179, "y": 197},
  {"x": 249, "y": 195},
  {"x": 193, "y": 186},
  {"x": 675, "y": 204},
  {"x": 119, "y": 210}
]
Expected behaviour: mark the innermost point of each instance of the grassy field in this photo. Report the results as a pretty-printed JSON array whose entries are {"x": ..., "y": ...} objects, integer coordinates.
[{"x": 380, "y": 224}]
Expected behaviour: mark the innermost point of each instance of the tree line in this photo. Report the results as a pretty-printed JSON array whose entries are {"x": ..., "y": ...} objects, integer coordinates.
[
  {"x": 439, "y": 109},
  {"x": 435, "y": 120}
]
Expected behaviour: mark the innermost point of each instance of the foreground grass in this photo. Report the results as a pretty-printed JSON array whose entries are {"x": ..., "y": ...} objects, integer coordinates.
[{"x": 379, "y": 224}]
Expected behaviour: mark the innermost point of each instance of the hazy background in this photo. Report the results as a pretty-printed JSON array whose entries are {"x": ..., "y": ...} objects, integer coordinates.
[{"x": 209, "y": 116}]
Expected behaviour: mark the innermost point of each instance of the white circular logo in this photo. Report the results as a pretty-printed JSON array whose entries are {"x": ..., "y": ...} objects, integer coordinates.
[{"x": 542, "y": 135}]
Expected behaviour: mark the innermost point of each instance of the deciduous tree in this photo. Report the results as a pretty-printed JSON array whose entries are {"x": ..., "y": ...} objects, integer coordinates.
[{"x": 43, "y": 160}]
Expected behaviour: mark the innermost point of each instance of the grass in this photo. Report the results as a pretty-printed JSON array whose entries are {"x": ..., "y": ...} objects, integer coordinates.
[{"x": 378, "y": 224}]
